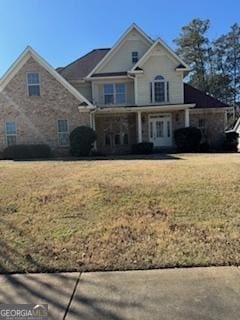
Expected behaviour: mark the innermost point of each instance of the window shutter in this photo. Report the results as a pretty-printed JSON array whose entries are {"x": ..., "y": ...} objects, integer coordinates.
[
  {"x": 151, "y": 93},
  {"x": 167, "y": 91}
]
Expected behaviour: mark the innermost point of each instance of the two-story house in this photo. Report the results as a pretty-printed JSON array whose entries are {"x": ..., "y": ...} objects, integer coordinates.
[{"x": 132, "y": 92}]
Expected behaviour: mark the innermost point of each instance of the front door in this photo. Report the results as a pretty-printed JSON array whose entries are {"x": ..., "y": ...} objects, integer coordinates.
[{"x": 160, "y": 130}]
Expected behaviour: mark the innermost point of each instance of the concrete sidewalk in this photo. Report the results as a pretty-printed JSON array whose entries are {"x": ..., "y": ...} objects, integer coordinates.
[{"x": 170, "y": 294}]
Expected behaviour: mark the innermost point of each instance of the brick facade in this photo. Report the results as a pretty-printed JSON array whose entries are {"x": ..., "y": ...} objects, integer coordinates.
[{"x": 36, "y": 117}]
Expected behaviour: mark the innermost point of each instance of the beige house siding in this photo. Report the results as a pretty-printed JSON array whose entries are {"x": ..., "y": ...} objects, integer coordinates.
[
  {"x": 84, "y": 88},
  {"x": 160, "y": 63},
  {"x": 36, "y": 117},
  {"x": 121, "y": 60}
]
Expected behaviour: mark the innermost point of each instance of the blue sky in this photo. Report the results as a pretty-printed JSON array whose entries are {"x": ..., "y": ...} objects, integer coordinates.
[{"x": 63, "y": 30}]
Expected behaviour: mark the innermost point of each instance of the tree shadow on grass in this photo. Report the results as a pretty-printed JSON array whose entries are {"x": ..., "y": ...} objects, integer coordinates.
[{"x": 57, "y": 290}]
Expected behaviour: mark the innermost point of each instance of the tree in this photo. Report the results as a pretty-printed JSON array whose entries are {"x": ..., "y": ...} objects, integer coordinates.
[
  {"x": 193, "y": 47},
  {"x": 233, "y": 59}
]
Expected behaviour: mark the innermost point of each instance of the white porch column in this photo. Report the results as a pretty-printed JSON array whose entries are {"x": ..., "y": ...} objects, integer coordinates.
[
  {"x": 139, "y": 116},
  {"x": 93, "y": 121},
  {"x": 93, "y": 126},
  {"x": 187, "y": 122}
]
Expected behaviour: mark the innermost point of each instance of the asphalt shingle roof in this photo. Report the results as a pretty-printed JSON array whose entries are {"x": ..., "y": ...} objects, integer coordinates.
[
  {"x": 202, "y": 100},
  {"x": 81, "y": 67}
]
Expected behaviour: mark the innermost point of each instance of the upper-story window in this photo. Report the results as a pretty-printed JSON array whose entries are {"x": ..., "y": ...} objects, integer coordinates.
[
  {"x": 159, "y": 90},
  {"x": 33, "y": 84},
  {"x": 134, "y": 56},
  {"x": 114, "y": 93}
]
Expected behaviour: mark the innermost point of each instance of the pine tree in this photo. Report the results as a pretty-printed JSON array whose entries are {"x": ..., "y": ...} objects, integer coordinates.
[{"x": 193, "y": 47}]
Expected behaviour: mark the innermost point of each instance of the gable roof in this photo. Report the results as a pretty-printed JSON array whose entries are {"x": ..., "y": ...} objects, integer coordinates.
[
  {"x": 118, "y": 43},
  {"x": 22, "y": 59},
  {"x": 168, "y": 49},
  {"x": 201, "y": 99},
  {"x": 81, "y": 67}
]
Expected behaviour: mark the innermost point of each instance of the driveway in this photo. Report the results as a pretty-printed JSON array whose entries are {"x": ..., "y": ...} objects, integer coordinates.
[{"x": 169, "y": 294}]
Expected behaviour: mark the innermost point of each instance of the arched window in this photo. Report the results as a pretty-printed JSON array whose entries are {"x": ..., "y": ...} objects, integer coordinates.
[{"x": 159, "y": 90}]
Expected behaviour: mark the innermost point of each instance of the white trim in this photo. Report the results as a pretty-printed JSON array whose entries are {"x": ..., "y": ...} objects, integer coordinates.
[
  {"x": 33, "y": 84},
  {"x": 167, "y": 115},
  {"x": 235, "y": 128},
  {"x": 9, "y": 134},
  {"x": 22, "y": 59},
  {"x": 187, "y": 119},
  {"x": 117, "y": 45},
  {"x": 139, "y": 118},
  {"x": 108, "y": 78},
  {"x": 63, "y": 132},
  {"x": 165, "y": 108},
  {"x": 115, "y": 93},
  {"x": 147, "y": 55}
]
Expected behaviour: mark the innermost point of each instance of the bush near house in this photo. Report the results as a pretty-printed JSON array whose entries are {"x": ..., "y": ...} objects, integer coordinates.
[
  {"x": 142, "y": 148},
  {"x": 231, "y": 142},
  {"x": 187, "y": 139},
  {"x": 81, "y": 141},
  {"x": 24, "y": 151}
]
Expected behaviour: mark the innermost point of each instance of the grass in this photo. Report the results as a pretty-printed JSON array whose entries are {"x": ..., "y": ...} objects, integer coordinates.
[{"x": 122, "y": 214}]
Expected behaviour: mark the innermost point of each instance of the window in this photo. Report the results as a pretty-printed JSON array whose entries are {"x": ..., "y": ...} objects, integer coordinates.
[
  {"x": 159, "y": 129},
  {"x": 117, "y": 139},
  {"x": 120, "y": 93},
  {"x": 11, "y": 133},
  {"x": 134, "y": 57},
  {"x": 108, "y": 94},
  {"x": 202, "y": 126},
  {"x": 63, "y": 134},
  {"x": 159, "y": 90},
  {"x": 114, "y": 93},
  {"x": 33, "y": 84},
  {"x": 125, "y": 138},
  {"x": 107, "y": 139}
]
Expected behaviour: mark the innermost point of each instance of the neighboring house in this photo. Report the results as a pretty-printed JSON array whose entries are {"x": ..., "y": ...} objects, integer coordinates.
[
  {"x": 130, "y": 93},
  {"x": 235, "y": 128}
]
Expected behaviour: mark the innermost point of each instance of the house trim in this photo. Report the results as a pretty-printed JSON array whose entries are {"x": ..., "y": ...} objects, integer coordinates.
[
  {"x": 148, "y": 53},
  {"x": 23, "y": 58},
  {"x": 117, "y": 45},
  {"x": 155, "y": 108}
]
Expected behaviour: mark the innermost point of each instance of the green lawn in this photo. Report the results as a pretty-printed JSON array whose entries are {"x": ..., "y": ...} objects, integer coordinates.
[{"x": 119, "y": 214}]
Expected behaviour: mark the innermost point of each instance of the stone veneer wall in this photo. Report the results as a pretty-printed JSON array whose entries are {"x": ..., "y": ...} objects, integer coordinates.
[
  {"x": 114, "y": 124},
  {"x": 215, "y": 124},
  {"x": 36, "y": 117}
]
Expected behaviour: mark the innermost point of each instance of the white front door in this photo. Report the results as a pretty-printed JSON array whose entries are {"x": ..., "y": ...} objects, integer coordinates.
[{"x": 160, "y": 130}]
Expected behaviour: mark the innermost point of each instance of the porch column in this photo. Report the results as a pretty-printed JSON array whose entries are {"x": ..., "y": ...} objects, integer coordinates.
[
  {"x": 93, "y": 126},
  {"x": 93, "y": 121},
  {"x": 187, "y": 122},
  {"x": 139, "y": 116}
]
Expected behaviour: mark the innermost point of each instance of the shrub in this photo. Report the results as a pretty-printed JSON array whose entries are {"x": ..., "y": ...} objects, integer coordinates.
[
  {"x": 204, "y": 147},
  {"x": 142, "y": 148},
  {"x": 27, "y": 151},
  {"x": 187, "y": 139},
  {"x": 81, "y": 141},
  {"x": 231, "y": 142}
]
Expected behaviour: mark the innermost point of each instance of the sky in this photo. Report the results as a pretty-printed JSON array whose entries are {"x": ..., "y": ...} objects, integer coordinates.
[{"x": 63, "y": 30}]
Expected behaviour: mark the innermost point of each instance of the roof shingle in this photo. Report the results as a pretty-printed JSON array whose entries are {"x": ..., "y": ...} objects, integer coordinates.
[
  {"x": 81, "y": 67},
  {"x": 202, "y": 100}
]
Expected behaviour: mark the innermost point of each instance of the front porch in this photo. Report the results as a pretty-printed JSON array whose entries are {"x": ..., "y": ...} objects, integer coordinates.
[{"x": 119, "y": 128}]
